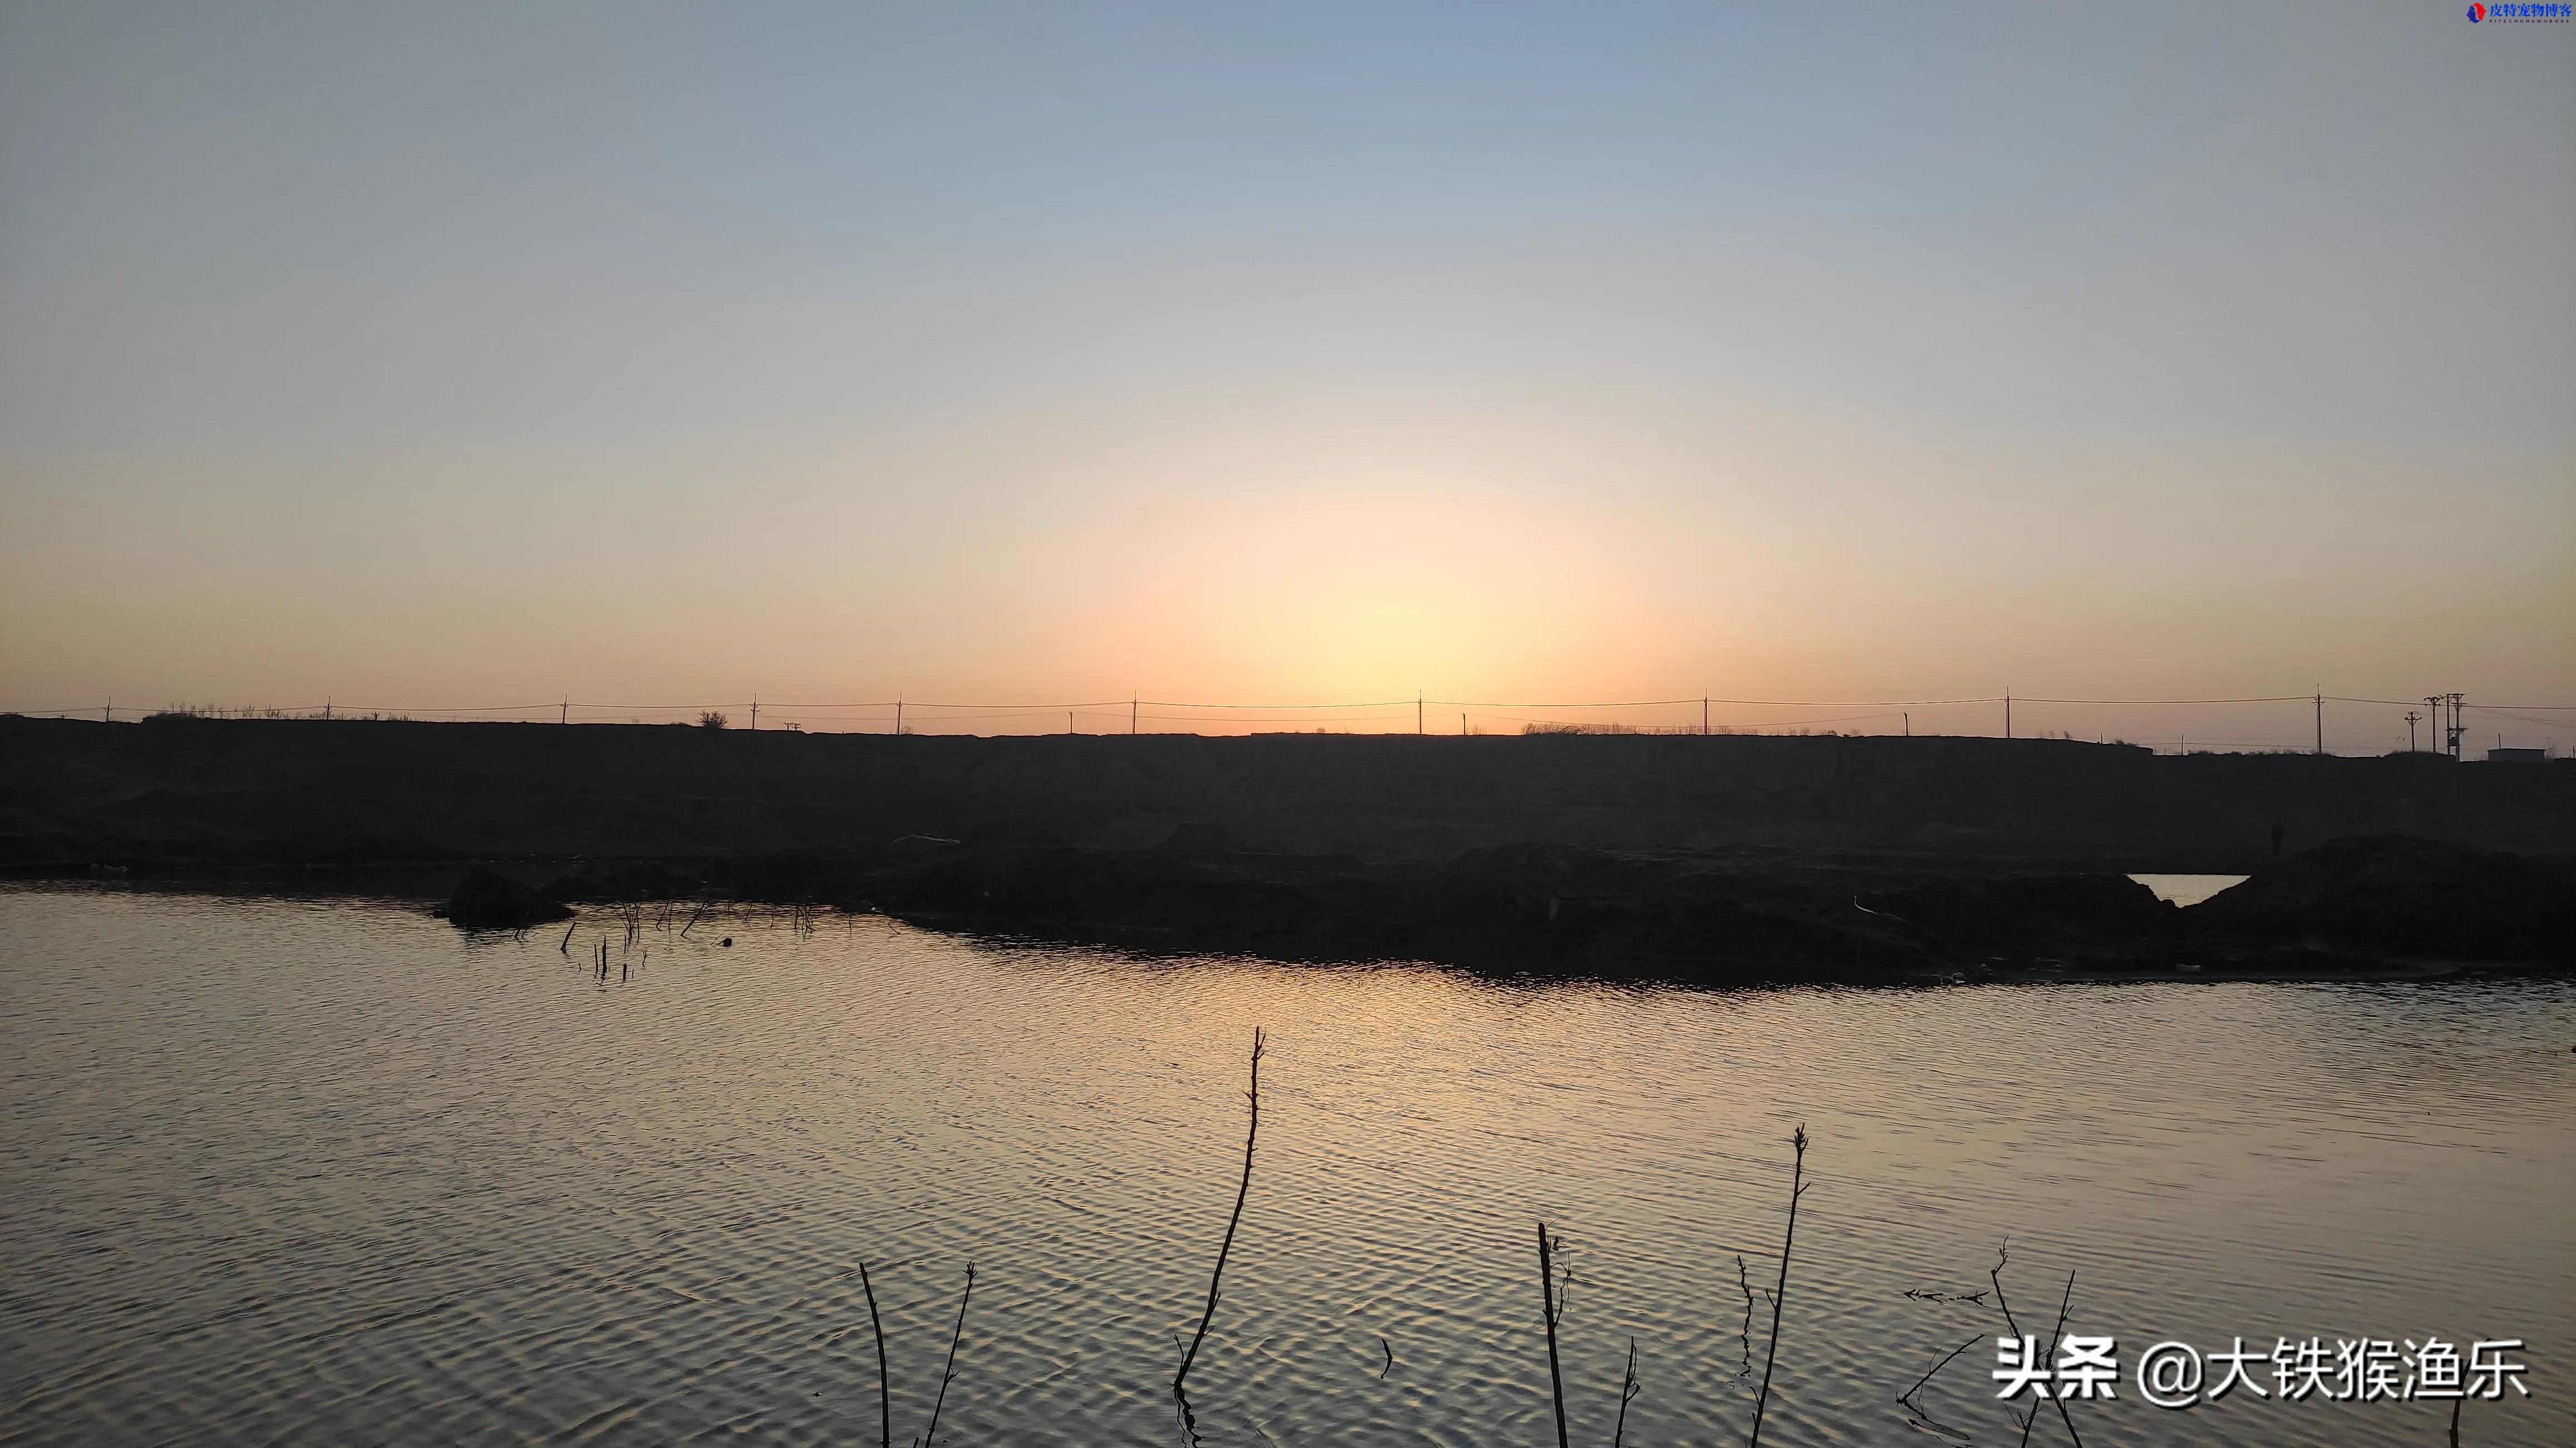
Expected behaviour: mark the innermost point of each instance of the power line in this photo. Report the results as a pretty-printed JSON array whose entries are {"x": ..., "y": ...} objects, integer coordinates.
[
  {"x": 1712, "y": 699},
  {"x": 2410, "y": 703},
  {"x": 1368, "y": 704},
  {"x": 2525, "y": 718},
  {"x": 1214, "y": 712},
  {"x": 1721, "y": 724},
  {"x": 2265, "y": 699}
]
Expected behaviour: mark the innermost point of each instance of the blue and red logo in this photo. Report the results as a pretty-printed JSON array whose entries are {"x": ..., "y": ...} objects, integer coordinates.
[{"x": 2477, "y": 13}]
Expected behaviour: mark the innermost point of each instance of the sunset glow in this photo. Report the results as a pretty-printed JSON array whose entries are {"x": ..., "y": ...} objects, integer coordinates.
[{"x": 1578, "y": 378}]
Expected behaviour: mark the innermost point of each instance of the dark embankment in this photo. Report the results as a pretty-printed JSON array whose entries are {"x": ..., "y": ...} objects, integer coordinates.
[
  {"x": 490, "y": 900},
  {"x": 2398, "y": 896},
  {"x": 1710, "y": 916},
  {"x": 181, "y": 791},
  {"x": 1734, "y": 915}
]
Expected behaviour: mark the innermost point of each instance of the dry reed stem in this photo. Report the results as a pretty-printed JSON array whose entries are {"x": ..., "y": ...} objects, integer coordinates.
[
  {"x": 1260, "y": 1042},
  {"x": 1550, "y": 1309},
  {"x": 1771, "y": 1354},
  {"x": 1744, "y": 1281},
  {"x": 1907, "y": 1396},
  {"x": 1995, "y": 1275},
  {"x": 885, "y": 1390},
  {"x": 1629, "y": 1388},
  {"x": 2059, "y": 1399},
  {"x": 931, "y": 1438}
]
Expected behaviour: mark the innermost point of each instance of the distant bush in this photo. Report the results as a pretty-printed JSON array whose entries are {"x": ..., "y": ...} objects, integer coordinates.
[
  {"x": 217, "y": 711},
  {"x": 712, "y": 719}
]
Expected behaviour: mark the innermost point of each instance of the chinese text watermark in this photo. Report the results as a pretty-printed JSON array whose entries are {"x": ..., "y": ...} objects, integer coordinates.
[{"x": 2177, "y": 1375}]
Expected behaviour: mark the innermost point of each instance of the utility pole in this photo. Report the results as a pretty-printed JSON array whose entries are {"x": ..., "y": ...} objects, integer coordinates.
[
  {"x": 326, "y": 706},
  {"x": 1909, "y": 724},
  {"x": 108, "y": 714},
  {"x": 565, "y": 716},
  {"x": 898, "y": 716},
  {"x": 1131, "y": 714},
  {"x": 1703, "y": 716},
  {"x": 2457, "y": 703},
  {"x": 1462, "y": 723},
  {"x": 1417, "y": 713},
  {"x": 2321, "y": 721},
  {"x": 2007, "y": 713},
  {"x": 2411, "y": 717}
]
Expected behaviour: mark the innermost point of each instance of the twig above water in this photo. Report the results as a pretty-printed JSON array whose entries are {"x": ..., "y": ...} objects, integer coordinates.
[
  {"x": 1629, "y": 1388},
  {"x": 1995, "y": 1275},
  {"x": 1551, "y": 1307},
  {"x": 2059, "y": 1398},
  {"x": 1260, "y": 1042},
  {"x": 931, "y": 1438},
  {"x": 1771, "y": 1355},
  {"x": 1744, "y": 1281},
  {"x": 1907, "y": 1396},
  {"x": 885, "y": 1393}
]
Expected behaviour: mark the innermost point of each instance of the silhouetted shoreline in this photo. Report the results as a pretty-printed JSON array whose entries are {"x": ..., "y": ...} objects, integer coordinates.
[
  {"x": 1713, "y": 860},
  {"x": 203, "y": 792},
  {"x": 2365, "y": 908}
]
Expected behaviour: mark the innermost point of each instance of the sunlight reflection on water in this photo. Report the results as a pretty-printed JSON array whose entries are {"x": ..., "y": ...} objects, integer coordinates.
[
  {"x": 328, "y": 1171},
  {"x": 2187, "y": 889}
]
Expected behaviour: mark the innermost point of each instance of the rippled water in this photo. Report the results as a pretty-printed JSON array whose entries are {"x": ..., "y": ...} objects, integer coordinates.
[{"x": 326, "y": 1172}]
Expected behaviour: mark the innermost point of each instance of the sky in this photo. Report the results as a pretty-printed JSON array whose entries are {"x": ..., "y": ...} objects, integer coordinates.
[{"x": 468, "y": 357}]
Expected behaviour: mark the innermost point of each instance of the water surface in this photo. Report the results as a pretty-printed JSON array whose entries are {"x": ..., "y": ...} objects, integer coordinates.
[
  {"x": 2187, "y": 889},
  {"x": 285, "y": 1171}
]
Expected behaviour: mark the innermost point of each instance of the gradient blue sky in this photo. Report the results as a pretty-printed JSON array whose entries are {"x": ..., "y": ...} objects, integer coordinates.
[{"x": 457, "y": 355}]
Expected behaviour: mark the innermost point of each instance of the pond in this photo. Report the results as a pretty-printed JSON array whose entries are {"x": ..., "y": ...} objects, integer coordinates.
[{"x": 324, "y": 1171}]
